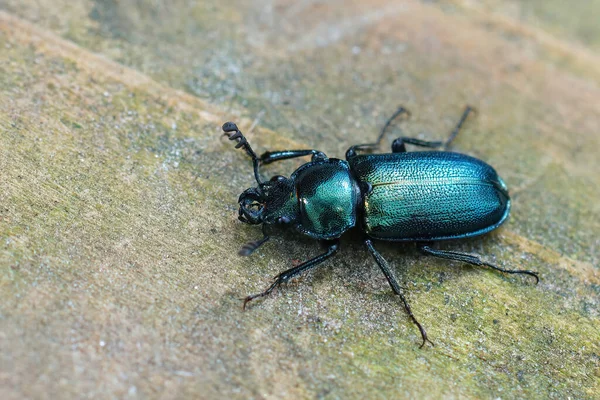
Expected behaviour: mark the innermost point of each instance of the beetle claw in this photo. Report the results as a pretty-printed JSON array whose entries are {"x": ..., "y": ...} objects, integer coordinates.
[
  {"x": 423, "y": 335},
  {"x": 425, "y": 340},
  {"x": 248, "y": 299}
]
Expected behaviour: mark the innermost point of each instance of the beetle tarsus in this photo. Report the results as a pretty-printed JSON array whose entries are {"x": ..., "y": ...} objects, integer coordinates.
[
  {"x": 385, "y": 268},
  {"x": 473, "y": 260},
  {"x": 292, "y": 272},
  {"x": 249, "y": 247},
  {"x": 514, "y": 271},
  {"x": 457, "y": 128},
  {"x": 400, "y": 111},
  {"x": 423, "y": 334},
  {"x": 248, "y": 299}
]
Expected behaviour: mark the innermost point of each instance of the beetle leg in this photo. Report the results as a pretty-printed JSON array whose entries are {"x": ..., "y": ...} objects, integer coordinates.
[
  {"x": 372, "y": 146},
  {"x": 398, "y": 145},
  {"x": 292, "y": 272},
  {"x": 471, "y": 259},
  {"x": 396, "y": 288},
  {"x": 272, "y": 156},
  {"x": 249, "y": 247}
]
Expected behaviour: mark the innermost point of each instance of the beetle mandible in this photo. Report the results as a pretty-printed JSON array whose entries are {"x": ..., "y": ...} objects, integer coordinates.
[{"x": 421, "y": 197}]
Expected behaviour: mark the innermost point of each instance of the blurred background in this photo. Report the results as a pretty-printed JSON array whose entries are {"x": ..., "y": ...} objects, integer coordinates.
[{"x": 118, "y": 216}]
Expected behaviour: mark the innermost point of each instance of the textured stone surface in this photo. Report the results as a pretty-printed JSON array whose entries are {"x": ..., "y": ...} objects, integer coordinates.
[{"x": 118, "y": 268}]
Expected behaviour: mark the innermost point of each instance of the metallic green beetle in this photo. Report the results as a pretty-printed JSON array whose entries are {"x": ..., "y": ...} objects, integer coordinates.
[{"x": 420, "y": 197}]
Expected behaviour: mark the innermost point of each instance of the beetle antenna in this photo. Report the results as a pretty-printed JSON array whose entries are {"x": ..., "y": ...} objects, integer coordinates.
[
  {"x": 249, "y": 247},
  {"x": 233, "y": 133}
]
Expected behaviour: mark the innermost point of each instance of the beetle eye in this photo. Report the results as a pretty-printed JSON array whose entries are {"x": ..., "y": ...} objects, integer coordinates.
[
  {"x": 278, "y": 178},
  {"x": 283, "y": 220}
]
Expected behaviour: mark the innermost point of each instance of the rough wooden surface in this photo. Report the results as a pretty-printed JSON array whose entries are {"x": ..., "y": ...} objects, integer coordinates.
[{"x": 119, "y": 274}]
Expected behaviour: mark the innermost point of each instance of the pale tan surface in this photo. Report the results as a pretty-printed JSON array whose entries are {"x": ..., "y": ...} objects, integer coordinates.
[{"x": 119, "y": 272}]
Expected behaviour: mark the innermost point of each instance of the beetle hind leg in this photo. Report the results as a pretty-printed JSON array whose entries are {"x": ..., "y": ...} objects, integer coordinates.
[
  {"x": 292, "y": 272},
  {"x": 385, "y": 268},
  {"x": 471, "y": 259}
]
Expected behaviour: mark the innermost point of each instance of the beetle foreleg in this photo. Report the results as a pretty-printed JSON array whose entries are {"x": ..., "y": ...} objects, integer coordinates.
[
  {"x": 292, "y": 272},
  {"x": 396, "y": 288},
  {"x": 471, "y": 259},
  {"x": 249, "y": 247}
]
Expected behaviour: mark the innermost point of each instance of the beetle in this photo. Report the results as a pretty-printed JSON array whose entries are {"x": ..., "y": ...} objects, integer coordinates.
[{"x": 421, "y": 197}]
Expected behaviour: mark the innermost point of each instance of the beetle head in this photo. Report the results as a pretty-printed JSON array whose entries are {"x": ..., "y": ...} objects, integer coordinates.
[{"x": 270, "y": 203}]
